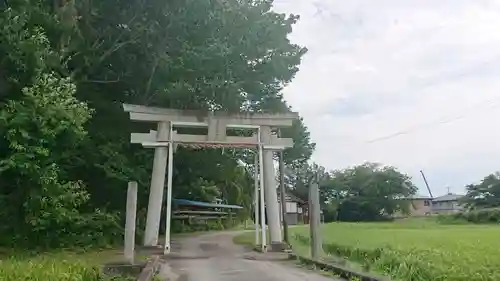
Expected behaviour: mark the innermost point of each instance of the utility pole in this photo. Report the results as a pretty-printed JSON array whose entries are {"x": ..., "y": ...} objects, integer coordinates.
[
  {"x": 283, "y": 197},
  {"x": 426, "y": 184}
]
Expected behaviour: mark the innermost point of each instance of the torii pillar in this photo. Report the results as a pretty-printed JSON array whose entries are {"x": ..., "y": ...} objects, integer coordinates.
[
  {"x": 157, "y": 186},
  {"x": 271, "y": 196}
]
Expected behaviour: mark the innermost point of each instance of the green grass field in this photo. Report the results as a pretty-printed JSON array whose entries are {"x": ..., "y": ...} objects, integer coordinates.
[{"x": 411, "y": 250}]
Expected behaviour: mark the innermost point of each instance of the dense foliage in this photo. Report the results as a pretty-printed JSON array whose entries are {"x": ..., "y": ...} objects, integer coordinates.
[
  {"x": 42, "y": 126},
  {"x": 67, "y": 66},
  {"x": 485, "y": 194},
  {"x": 367, "y": 192}
]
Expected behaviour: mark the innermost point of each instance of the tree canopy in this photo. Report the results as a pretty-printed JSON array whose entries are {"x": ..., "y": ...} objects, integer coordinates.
[
  {"x": 485, "y": 194},
  {"x": 67, "y": 66},
  {"x": 366, "y": 192},
  {"x": 370, "y": 191}
]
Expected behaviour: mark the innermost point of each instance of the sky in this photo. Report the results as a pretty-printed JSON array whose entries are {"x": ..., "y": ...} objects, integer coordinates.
[{"x": 409, "y": 83}]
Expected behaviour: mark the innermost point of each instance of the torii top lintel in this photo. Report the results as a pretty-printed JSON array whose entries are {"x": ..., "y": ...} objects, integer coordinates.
[{"x": 190, "y": 118}]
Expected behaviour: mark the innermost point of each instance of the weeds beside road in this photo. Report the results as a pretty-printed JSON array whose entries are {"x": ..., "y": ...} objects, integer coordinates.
[{"x": 62, "y": 266}]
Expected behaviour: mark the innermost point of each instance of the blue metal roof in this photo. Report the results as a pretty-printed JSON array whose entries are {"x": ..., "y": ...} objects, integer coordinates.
[{"x": 184, "y": 202}]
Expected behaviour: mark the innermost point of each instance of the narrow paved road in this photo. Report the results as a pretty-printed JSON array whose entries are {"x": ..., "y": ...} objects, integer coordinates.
[{"x": 214, "y": 257}]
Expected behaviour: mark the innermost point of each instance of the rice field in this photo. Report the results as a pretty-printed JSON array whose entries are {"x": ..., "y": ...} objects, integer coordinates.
[{"x": 413, "y": 250}]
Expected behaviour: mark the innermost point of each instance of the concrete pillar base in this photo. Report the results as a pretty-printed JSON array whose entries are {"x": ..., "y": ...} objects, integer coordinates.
[
  {"x": 278, "y": 247},
  {"x": 151, "y": 250}
]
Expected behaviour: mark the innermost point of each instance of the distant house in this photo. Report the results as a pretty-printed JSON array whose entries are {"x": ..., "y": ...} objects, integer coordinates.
[
  {"x": 419, "y": 206},
  {"x": 296, "y": 209},
  {"x": 424, "y": 206},
  {"x": 446, "y": 204}
]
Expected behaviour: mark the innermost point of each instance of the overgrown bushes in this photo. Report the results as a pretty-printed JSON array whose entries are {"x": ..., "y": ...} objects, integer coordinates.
[{"x": 480, "y": 216}]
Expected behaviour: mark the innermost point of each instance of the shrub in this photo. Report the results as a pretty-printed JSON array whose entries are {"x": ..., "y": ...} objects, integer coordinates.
[{"x": 480, "y": 216}]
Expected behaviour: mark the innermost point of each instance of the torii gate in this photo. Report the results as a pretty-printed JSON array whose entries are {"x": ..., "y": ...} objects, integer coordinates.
[{"x": 165, "y": 139}]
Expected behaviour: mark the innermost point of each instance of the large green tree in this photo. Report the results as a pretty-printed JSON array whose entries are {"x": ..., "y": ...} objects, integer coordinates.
[
  {"x": 369, "y": 191},
  {"x": 298, "y": 179},
  {"x": 225, "y": 55},
  {"x": 366, "y": 192},
  {"x": 485, "y": 194}
]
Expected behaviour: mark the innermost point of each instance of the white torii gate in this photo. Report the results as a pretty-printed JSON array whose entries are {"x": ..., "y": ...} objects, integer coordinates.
[{"x": 165, "y": 139}]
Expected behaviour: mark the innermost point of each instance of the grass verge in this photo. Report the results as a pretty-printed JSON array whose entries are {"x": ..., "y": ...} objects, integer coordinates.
[{"x": 60, "y": 266}]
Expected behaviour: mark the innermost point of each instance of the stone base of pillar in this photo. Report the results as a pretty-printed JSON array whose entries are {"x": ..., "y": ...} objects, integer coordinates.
[
  {"x": 273, "y": 248},
  {"x": 151, "y": 250},
  {"x": 278, "y": 247}
]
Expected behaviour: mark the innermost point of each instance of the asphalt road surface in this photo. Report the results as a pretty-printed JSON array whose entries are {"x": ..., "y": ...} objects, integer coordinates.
[{"x": 214, "y": 257}]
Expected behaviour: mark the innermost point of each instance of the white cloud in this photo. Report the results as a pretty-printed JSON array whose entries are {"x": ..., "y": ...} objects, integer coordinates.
[{"x": 378, "y": 67}]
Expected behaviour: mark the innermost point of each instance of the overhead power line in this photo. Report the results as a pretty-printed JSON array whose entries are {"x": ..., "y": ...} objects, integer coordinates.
[{"x": 492, "y": 103}]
